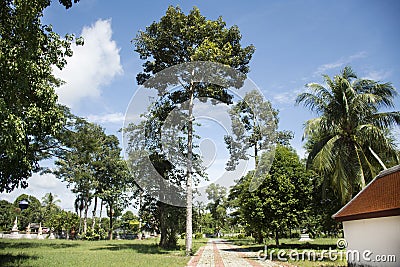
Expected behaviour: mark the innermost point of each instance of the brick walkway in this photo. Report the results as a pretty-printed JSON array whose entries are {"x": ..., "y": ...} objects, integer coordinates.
[{"x": 221, "y": 253}]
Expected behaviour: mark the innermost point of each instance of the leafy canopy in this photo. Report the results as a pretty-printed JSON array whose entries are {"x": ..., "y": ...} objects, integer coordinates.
[
  {"x": 29, "y": 113},
  {"x": 350, "y": 141}
]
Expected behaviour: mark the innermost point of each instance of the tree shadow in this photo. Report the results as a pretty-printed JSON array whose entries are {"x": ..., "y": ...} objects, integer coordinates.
[
  {"x": 8, "y": 259},
  {"x": 139, "y": 248},
  {"x": 24, "y": 245}
]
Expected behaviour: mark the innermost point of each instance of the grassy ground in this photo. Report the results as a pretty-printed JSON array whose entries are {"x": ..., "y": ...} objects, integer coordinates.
[
  {"x": 48, "y": 253},
  {"x": 295, "y": 247}
]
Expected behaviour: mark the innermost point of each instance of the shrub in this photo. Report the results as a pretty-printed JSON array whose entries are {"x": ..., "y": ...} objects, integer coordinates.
[
  {"x": 241, "y": 236},
  {"x": 198, "y": 235}
]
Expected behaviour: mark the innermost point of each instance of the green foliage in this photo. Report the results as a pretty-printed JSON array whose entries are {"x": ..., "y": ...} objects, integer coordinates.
[
  {"x": 162, "y": 218},
  {"x": 282, "y": 200},
  {"x": 67, "y": 3},
  {"x": 254, "y": 125},
  {"x": 198, "y": 235},
  {"x": 351, "y": 141},
  {"x": 129, "y": 222},
  {"x": 33, "y": 214},
  {"x": 91, "y": 235},
  {"x": 178, "y": 38},
  {"x": 29, "y": 112},
  {"x": 91, "y": 164},
  {"x": 7, "y": 211},
  {"x": 217, "y": 206}
]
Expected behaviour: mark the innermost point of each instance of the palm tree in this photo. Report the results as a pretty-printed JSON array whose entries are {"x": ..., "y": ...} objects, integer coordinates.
[
  {"x": 350, "y": 141},
  {"x": 50, "y": 201},
  {"x": 79, "y": 206}
]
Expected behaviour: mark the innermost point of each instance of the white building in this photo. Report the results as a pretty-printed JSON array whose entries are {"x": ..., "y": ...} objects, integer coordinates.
[{"x": 371, "y": 222}]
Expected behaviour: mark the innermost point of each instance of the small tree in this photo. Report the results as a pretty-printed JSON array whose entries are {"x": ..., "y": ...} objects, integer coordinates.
[
  {"x": 34, "y": 212},
  {"x": 280, "y": 202}
]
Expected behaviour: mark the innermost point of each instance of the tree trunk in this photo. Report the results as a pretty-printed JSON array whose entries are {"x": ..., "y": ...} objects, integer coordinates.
[
  {"x": 94, "y": 213},
  {"x": 276, "y": 238},
  {"x": 168, "y": 226},
  {"x": 189, "y": 197},
  {"x": 260, "y": 237},
  {"x": 85, "y": 214},
  {"x": 80, "y": 221},
  {"x": 101, "y": 211},
  {"x": 255, "y": 144},
  {"x": 163, "y": 229},
  {"x": 85, "y": 219},
  {"x": 110, "y": 231},
  {"x": 140, "y": 218}
]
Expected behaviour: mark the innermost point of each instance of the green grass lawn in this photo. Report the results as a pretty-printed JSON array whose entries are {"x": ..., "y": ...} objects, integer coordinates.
[
  {"x": 24, "y": 252},
  {"x": 290, "y": 245}
]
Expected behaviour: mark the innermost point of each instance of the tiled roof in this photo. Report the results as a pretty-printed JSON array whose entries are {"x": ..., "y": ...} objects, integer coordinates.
[{"x": 380, "y": 198}]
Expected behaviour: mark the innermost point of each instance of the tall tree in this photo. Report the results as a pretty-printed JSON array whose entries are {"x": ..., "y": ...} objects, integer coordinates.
[
  {"x": 50, "y": 201},
  {"x": 113, "y": 178},
  {"x": 76, "y": 161},
  {"x": 254, "y": 125},
  {"x": 29, "y": 113},
  {"x": 217, "y": 195},
  {"x": 178, "y": 38},
  {"x": 349, "y": 141},
  {"x": 156, "y": 215}
]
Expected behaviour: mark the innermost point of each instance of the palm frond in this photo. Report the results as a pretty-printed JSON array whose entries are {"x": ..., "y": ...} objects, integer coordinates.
[
  {"x": 385, "y": 91},
  {"x": 311, "y": 127},
  {"x": 348, "y": 73},
  {"x": 386, "y": 119},
  {"x": 324, "y": 155},
  {"x": 311, "y": 101}
]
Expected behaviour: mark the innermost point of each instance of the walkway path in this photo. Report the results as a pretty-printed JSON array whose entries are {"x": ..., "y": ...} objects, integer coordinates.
[{"x": 221, "y": 253}]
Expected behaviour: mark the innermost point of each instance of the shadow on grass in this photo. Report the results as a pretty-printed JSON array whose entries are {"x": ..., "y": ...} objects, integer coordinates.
[
  {"x": 9, "y": 259},
  {"x": 139, "y": 248},
  {"x": 24, "y": 245}
]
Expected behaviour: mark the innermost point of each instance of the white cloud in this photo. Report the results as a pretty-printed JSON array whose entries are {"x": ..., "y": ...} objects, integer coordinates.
[
  {"x": 339, "y": 63},
  {"x": 377, "y": 75},
  {"x": 92, "y": 66},
  {"x": 39, "y": 185},
  {"x": 116, "y": 117},
  {"x": 286, "y": 98}
]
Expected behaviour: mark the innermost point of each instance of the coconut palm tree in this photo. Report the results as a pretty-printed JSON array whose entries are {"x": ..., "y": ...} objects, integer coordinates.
[
  {"x": 50, "y": 201},
  {"x": 350, "y": 141}
]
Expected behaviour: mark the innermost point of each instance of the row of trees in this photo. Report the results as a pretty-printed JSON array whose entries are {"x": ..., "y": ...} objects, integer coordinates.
[
  {"x": 63, "y": 223},
  {"x": 347, "y": 144},
  {"x": 90, "y": 162}
]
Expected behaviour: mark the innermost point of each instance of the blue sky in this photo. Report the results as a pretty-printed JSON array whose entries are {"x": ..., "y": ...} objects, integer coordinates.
[{"x": 296, "y": 42}]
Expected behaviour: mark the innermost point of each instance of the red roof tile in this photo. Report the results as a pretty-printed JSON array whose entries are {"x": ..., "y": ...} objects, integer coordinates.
[{"x": 380, "y": 198}]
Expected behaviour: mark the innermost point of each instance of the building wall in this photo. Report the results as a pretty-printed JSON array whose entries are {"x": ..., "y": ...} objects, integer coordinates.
[{"x": 380, "y": 236}]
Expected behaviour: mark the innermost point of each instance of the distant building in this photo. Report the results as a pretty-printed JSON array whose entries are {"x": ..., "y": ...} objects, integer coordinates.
[{"x": 371, "y": 222}]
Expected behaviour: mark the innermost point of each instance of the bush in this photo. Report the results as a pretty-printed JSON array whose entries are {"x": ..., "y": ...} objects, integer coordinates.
[
  {"x": 295, "y": 235},
  {"x": 91, "y": 235},
  {"x": 198, "y": 235},
  {"x": 241, "y": 236}
]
